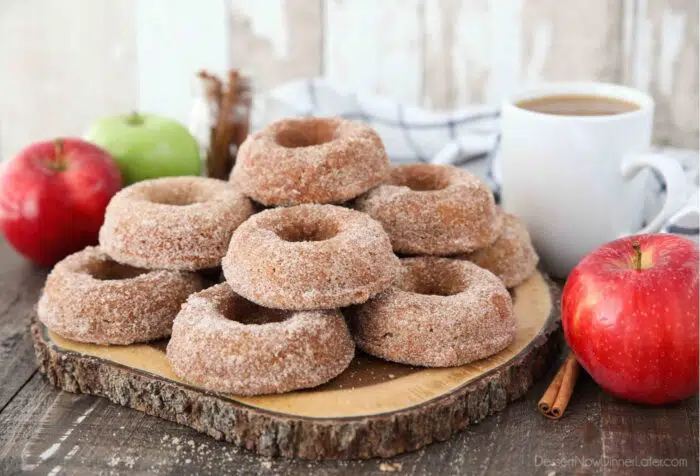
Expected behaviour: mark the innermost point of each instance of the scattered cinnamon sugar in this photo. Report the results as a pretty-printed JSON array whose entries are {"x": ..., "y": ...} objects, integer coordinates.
[
  {"x": 313, "y": 160},
  {"x": 390, "y": 467},
  {"x": 511, "y": 257},
  {"x": 211, "y": 346},
  {"x": 434, "y": 210},
  {"x": 173, "y": 223},
  {"x": 441, "y": 312},
  {"x": 90, "y": 298},
  {"x": 309, "y": 257}
]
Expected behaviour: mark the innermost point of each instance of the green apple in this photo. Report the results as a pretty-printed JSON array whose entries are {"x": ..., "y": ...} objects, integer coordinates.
[{"x": 147, "y": 146}]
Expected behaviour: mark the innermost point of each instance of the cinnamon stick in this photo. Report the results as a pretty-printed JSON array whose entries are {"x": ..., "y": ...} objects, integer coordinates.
[
  {"x": 212, "y": 87},
  {"x": 244, "y": 103},
  {"x": 213, "y": 91},
  {"x": 230, "y": 106},
  {"x": 555, "y": 400},
  {"x": 227, "y": 124},
  {"x": 218, "y": 156}
]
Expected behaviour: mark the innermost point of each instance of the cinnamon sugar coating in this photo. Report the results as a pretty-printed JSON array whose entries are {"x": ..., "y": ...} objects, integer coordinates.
[
  {"x": 441, "y": 312},
  {"x": 227, "y": 344},
  {"x": 312, "y": 160},
  {"x": 180, "y": 223},
  {"x": 309, "y": 257},
  {"x": 434, "y": 210},
  {"x": 88, "y": 297},
  {"x": 511, "y": 257}
]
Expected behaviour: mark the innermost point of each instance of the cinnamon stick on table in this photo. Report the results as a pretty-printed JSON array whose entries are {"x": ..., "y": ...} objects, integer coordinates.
[{"x": 555, "y": 400}]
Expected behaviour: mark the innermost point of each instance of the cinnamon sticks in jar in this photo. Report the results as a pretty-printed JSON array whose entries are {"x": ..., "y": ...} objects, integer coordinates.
[{"x": 229, "y": 102}]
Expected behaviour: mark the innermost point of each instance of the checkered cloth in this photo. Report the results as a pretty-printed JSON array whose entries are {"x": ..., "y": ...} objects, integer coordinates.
[
  {"x": 410, "y": 134},
  {"x": 467, "y": 137}
]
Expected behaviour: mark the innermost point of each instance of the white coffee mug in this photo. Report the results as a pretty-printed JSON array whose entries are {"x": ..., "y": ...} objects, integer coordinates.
[{"x": 579, "y": 181}]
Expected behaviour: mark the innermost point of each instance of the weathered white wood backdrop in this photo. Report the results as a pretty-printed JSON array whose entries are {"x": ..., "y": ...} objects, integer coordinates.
[{"x": 65, "y": 62}]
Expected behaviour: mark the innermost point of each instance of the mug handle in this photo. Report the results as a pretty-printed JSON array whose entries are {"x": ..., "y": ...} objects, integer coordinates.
[{"x": 674, "y": 177}]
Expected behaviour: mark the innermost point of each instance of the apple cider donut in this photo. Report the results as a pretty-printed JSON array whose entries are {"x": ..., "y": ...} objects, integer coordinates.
[
  {"x": 511, "y": 257},
  {"x": 309, "y": 257},
  {"x": 228, "y": 344},
  {"x": 180, "y": 223},
  {"x": 434, "y": 210},
  {"x": 312, "y": 160},
  {"x": 88, "y": 297},
  {"x": 441, "y": 312}
]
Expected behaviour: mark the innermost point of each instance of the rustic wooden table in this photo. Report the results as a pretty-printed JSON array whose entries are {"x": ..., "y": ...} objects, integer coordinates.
[{"x": 45, "y": 431}]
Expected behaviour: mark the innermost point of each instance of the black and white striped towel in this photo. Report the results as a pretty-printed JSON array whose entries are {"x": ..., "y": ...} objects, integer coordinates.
[{"x": 467, "y": 137}]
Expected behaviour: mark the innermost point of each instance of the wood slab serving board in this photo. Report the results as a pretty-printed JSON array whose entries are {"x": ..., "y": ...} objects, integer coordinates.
[{"x": 375, "y": 408}]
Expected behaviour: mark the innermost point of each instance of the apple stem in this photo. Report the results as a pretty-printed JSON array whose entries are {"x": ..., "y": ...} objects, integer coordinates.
[
  {"x": 58, "y": 147},
  {"x": 59, "y": 162},
  {"x": 134, "y": 119},
  {"x": 637, "y": 255}
]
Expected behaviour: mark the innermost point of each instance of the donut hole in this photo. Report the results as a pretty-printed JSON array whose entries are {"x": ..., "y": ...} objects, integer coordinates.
[
  {"x": 111, "y": 271},
  {"x": 248, "y": 313},
  {"x": 298, "y": 231},
  {"x": 179, "y": 201},
  {"x": 421, "y": 177},
  {"x": 305, "y": 133},
  {"x": 437, "y": 277},
  {"x": 177, "y": 196}
]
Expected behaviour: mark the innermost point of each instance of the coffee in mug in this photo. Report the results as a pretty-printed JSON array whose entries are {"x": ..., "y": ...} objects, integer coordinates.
[
  {"x": 578, "y": 105},
  {"x": 575, "y": 160}
]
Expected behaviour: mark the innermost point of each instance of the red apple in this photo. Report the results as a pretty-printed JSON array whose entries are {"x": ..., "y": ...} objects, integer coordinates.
[
  {"x": 630, "y": 315},
  {"x": 53, "y": 197}
]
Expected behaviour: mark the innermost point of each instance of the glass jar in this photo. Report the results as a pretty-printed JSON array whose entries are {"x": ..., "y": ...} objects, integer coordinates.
[{"x": 220, "y": 119}]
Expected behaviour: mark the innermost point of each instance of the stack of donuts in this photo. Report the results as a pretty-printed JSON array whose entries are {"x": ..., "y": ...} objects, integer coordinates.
[
  {"x": 313, "y": 274},
  {"x": 156, "y": 234},
  {"x": 292, "y": 267},
  {"x": 449, "y": 305}
]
